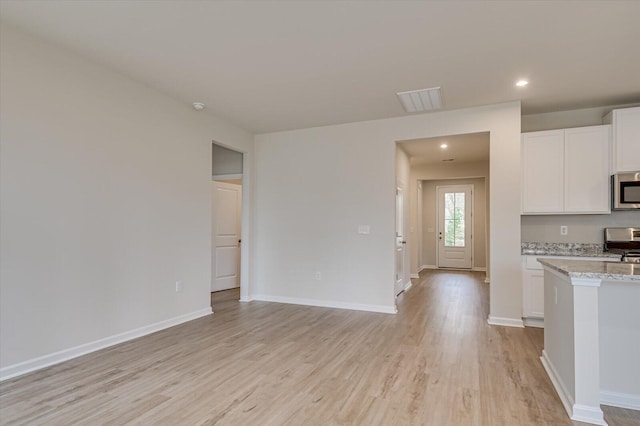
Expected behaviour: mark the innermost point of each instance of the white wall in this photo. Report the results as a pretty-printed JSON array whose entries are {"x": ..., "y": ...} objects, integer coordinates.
[
  {"x": 581, "y": 228},
  {"x": 105, "y": 187},
  {"x": 619, "y": 338},
  {"x": 307, "y": 209},
  {"x": 567, "y": 119},
  {"x": 559, "y": 339}
]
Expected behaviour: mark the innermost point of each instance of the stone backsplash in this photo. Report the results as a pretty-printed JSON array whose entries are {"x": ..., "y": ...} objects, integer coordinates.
[{"x": 565, "y": 249}]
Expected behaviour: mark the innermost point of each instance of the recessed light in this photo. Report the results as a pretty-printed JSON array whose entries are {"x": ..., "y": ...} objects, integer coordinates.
[
  {"x": 198, "y": 106},
  {"x": 522, "y": 83},
  {"x": 443, "y": 146}
]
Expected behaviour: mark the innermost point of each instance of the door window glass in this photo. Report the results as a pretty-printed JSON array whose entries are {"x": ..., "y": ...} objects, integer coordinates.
[{"x": 454, "y": 219}]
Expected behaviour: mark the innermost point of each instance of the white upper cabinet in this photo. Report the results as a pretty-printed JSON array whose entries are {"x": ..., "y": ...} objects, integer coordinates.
[
  {"x": 586, "y": 170},
  {"x": 626, "y": 139},
  {"x": 566, "y": 171},
  {"x": 543, "y": 172}
]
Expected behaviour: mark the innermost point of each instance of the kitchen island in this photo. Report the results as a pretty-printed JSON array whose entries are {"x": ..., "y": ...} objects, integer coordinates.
[{"x": 592, "y": 335}]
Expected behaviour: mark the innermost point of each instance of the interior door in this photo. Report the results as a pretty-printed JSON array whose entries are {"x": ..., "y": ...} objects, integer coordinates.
[
  {"x": 455, "y": 226},
  {"x": 225, "y": 229},
  {"x": 400, "y": 242}
]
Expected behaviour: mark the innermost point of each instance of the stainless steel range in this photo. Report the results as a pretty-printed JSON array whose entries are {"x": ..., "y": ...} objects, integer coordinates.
[{"x": 625, "y": 241}]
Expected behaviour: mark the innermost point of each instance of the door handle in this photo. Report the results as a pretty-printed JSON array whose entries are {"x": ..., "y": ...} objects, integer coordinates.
[{"x": 404, "y": 242}]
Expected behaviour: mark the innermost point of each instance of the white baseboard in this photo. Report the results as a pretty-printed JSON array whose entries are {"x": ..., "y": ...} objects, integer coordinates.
[
  {"x": 475, "y": 268},
  {"x": 622, "y": 400},
  {"x": 408, "y": 285},
  {"x": 588, "y": 414},
  {"x": 577, "y": 412},
  {"x": 415, "y": 275},
  {"x": 558, "y": 384},
  {"x": 326, "y": 304},
  {"x": 534, "y": 322},
  {"x": 506, "y": 322},
  {"x": 423, "y": 267},
  {"x": 245, "y": 300},
  {"x": 67, "y": 354}
]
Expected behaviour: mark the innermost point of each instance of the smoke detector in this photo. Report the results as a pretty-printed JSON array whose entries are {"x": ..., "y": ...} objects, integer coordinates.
[
  {"x": 198, "y": 106},
  {"x": 421, "y": 100}
]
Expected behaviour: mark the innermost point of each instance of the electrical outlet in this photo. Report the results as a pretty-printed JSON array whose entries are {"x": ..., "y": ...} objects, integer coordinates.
[
  {"x": 318, "y": 276},
  {"x": 564, "y": 230},
  {"x": 178, "y": 286}
]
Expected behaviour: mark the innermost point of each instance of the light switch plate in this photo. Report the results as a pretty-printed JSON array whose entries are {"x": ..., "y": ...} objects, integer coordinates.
[{"x": 364, "y": 229}]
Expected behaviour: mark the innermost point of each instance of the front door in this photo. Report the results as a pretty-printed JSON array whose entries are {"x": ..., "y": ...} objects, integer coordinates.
[
  {"x": 225, "y": 230},
  {"x": 400, "y": 241},
  {"x": 455, "y": 226}
]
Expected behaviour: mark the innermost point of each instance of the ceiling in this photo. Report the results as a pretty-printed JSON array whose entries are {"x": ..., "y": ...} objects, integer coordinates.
[
  {"x": 269, "y": 66},
  {"x": 467, "y": 148}
]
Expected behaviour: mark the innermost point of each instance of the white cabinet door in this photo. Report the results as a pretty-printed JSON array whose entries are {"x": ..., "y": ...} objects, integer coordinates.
[
  {"x": 586, "y": 172},
  {"x": 626, "y": 139},
  {"x": 566, "y": 171},
  {"x": 543, "y": 172},
  {"x": 534, "y": 294}
]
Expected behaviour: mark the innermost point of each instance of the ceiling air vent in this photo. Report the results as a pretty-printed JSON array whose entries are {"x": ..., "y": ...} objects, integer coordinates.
[{"x": 421, "y": 100}]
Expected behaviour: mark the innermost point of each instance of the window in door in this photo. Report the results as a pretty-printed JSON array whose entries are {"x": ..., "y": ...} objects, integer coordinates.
[{"x": 454, "y": 215}]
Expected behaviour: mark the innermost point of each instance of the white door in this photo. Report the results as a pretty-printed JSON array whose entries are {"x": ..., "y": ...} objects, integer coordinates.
[
  {"x": 225, "y": 230},
  {"x": 400, "y": 242},
  {"x": 455, "y": 226}
]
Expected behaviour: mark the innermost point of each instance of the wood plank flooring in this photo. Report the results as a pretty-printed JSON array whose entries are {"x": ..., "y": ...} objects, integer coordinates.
[{"x": 436, "y": 362}]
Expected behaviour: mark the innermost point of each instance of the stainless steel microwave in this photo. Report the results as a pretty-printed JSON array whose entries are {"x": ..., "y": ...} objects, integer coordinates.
[{"x": 625, "y": 190}]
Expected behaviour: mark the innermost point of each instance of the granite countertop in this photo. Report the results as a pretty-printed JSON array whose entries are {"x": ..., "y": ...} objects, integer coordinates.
[
  {"x": 566, "y": 249},
  {"x": 612, "y": 271}
]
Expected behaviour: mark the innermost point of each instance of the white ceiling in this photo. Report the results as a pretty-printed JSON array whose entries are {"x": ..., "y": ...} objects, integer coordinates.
[
  {"x": 462, "y": 148},
  {"x": 271, "y": 66}
]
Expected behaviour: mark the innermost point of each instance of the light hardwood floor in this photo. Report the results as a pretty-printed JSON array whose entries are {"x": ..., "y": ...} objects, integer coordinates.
[{"x": 436, "y": 362}]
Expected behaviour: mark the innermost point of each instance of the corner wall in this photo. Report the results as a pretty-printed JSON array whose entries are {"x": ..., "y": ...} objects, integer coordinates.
[
  {"x": 106, "y": 203},
  {"x": 308, "y": 208}
]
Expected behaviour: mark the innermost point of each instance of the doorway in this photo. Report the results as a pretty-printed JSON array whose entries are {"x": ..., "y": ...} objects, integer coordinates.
[
  {"x": 227, "y": 226},
  {"x": 451, "y": 160},
  {"x": 455, "y": 226}
]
